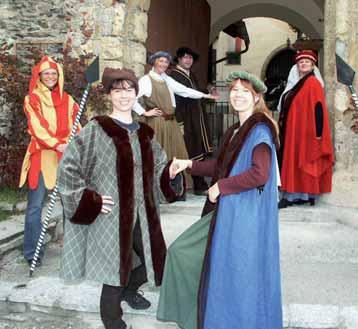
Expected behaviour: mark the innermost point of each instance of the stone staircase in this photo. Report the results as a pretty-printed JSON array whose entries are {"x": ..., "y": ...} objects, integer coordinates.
[{"x": 319, "y": 260}]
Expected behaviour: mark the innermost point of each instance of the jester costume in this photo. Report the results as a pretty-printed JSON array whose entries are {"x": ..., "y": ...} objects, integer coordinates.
[{"x": 50, "y": 115}]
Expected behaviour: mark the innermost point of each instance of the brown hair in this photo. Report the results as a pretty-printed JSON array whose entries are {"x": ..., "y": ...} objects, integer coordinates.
[
  {"x": 122, "y": 84},
  {"x": 260, "y": 105}
]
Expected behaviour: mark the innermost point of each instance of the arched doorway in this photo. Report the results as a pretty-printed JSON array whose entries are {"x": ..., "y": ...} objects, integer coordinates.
[
  {"x": 275, "y": 73},
  {"x": 308, "y": 18}
]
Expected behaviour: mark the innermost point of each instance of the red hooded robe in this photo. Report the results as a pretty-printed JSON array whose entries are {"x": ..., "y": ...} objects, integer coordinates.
[{"x": 307, "y": 160}]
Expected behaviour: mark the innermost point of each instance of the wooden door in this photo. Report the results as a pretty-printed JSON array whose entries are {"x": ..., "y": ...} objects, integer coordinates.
[{"x": 177, "y": 23}]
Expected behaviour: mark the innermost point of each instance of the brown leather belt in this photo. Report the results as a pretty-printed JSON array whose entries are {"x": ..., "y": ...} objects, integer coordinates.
[{"x": 168, "y": 117}]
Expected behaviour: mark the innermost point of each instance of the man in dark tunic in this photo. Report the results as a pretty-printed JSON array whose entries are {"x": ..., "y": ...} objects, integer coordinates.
[{"x": 189, "y": 114}]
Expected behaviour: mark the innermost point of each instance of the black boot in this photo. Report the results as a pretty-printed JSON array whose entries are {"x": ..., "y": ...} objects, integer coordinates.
[
  {"x": 311, "y": 201},
  {"x": 177, "y": 185},
  {"x": 299, "y": 202},
  {"x": 135, "y": 299},
  {"x": 200, "y": 185},
  {"x": 110, "y": 307},
  {"x": 284, "y": 203}
]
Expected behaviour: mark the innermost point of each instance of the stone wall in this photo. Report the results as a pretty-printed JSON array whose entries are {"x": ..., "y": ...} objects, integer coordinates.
[
  {"x": 346, "y": 46},
  {"x": 115, "y": 30},
  {"x": 29, "y": 20}
]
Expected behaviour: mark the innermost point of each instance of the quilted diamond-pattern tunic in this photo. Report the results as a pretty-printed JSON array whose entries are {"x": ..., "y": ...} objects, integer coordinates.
[{"x": 94, "y": 165}]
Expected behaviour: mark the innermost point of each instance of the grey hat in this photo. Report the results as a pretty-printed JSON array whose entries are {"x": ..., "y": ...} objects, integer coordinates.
[
  {"x": 256, "y": 82},
  {"x": 159, "y": 54}
]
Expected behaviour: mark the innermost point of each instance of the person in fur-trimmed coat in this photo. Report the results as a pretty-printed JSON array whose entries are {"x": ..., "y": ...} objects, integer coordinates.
[{"x": 110, "y": 180}]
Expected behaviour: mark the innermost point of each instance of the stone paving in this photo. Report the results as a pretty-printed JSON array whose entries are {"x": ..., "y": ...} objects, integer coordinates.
[{"x": 319, "y": 263}]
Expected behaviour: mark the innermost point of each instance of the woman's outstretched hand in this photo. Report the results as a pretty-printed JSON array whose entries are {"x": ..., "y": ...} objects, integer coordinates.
[
  {"x": 107, "y": 203},
  {"x": 214, "y": 97},
  {"x": 155, "y": 112},
  {"x": 178, "y": 166}
]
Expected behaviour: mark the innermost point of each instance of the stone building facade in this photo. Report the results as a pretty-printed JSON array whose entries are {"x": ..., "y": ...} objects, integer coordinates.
[{"x": 114, "y": 30}]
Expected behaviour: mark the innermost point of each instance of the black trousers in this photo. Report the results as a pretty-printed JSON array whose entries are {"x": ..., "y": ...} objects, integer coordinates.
[
  {"x": 111, "y": 296},
  {"x": 199, "y": 183}
]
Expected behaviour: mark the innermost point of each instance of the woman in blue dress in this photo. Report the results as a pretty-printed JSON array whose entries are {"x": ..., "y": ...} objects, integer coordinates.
[{"x": 224, "y": 271}]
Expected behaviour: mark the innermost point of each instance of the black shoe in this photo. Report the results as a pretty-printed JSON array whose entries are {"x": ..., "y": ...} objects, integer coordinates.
[
  {"x": 201, "y": 192},
  {"x": 38, "y": 262},
  {"x": 284, "y": 203},
  {"x": 136, "y": 300},
  {"x": 115, "y": 324},
  {"x": 311, "y": 201},
  {"x": 181, "y": 198}
]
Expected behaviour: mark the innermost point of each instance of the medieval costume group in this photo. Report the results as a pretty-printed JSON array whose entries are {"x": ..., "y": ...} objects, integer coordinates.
[{"x": 224, "y": 271}]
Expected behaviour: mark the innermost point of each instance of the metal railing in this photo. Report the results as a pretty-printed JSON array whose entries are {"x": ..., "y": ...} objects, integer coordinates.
[
  {"x": 219, "y": 118},
  {"x": 218, "y": 114}
]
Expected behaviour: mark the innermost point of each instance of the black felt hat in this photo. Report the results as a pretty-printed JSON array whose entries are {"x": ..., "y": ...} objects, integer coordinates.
[{"x": 186, "y": 50}]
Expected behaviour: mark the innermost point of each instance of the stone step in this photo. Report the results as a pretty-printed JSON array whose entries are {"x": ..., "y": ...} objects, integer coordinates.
[
  {"x": 320, "y": 213},
  {"x": 315, "y": 248},
  {"x": 78, "y": 303},
  {"x": 12, "y": 229}
]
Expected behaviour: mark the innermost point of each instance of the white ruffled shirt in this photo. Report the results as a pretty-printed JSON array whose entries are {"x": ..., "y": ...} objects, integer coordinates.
[{"x": 145, "y": 89}]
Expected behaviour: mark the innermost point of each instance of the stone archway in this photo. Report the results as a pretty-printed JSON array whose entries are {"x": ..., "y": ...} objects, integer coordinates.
[
  {"x": 308, "y": 18},
  {"x": 270, "y": 57},
  {"x": 275, "y": 71}
]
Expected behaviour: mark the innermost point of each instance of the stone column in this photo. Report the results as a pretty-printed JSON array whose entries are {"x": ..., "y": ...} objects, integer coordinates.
[
  {"x": 329, "y": 57},
  {"x": 341, "y": 33}
]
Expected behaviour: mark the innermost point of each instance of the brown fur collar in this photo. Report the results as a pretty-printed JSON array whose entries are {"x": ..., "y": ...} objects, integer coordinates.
[
  {"x": 125, "y": 172},
  {"x": 230, "y": 150}
]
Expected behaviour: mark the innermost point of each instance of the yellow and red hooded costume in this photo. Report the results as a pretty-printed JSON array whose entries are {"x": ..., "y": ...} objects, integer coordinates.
[{"x": 50, "y": 115}]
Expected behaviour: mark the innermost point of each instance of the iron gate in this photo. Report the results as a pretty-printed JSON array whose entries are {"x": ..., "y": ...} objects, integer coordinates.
[{"x": 219, "y": 115}]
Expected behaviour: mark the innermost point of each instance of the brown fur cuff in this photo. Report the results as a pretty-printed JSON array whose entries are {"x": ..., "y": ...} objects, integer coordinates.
[
  {"x": 172, "y": 191},
  {"x": 88, "y": 209}
]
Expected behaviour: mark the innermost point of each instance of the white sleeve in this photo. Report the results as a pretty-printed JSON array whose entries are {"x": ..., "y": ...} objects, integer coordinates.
[
  {"x": 181, "y": 90},
  {"x": 145, "y": 87},
  {"x": 137, "y": 108}
]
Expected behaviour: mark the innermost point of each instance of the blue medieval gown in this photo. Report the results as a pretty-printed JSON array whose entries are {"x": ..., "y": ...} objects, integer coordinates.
[{"x": 238, "y": 286}]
